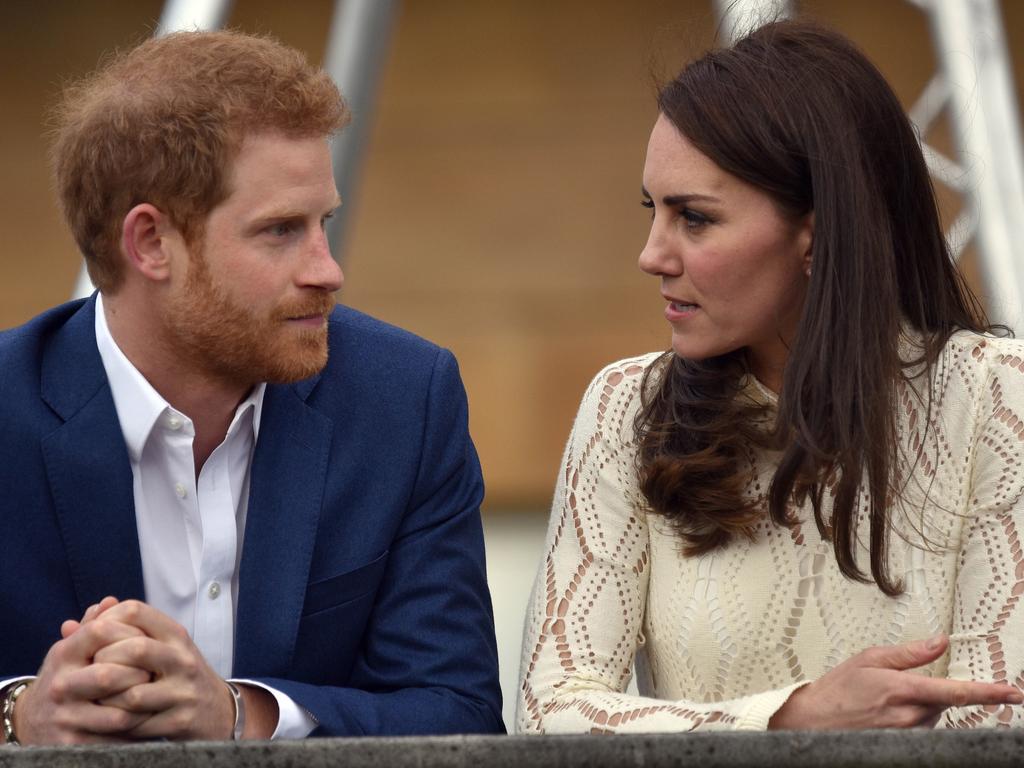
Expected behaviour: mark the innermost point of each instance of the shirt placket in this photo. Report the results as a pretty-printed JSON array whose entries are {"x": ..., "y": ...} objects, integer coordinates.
[{"x": 214, "y": 610}]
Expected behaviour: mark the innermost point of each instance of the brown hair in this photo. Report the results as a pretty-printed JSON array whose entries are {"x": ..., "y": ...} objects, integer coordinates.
[
  {"x": 798, "y": 111},
  {"x": 162, "y": 123}
]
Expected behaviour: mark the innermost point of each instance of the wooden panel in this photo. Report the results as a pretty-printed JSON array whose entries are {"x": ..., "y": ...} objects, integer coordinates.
[{"x": 498, "y": 213}]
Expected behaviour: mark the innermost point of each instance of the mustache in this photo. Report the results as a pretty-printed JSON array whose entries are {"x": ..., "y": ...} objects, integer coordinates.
[{"x": 318, "y": 304}]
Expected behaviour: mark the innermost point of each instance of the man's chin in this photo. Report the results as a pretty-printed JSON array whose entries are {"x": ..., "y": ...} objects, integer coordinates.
[{"x": 287, "y": 369}]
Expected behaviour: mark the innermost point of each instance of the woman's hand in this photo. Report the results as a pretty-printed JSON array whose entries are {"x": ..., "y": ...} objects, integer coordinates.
[{"x": 874, "y": 690}]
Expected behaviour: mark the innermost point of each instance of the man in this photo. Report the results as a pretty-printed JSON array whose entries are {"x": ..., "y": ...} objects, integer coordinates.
[{"x": 214, "y": 528}]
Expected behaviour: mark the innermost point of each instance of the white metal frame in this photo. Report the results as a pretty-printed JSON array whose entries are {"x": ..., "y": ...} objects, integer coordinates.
[{"x": 974, "y": 85}]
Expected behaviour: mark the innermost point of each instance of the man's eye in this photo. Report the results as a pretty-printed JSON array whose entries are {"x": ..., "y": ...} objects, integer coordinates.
[{"x": 282, "y": 229}]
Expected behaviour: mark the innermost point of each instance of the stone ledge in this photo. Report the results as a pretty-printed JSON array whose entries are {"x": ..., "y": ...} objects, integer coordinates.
[{"x": 991, "y": 749}]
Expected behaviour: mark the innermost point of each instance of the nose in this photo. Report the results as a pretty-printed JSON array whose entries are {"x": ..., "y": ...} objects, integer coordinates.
[
  {"x": 320, "y": 270},
  {"x": 658, "y": 256}
]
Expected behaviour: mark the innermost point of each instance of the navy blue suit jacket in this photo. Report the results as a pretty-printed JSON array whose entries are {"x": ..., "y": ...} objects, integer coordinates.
[{"x": 362, "y": 591}]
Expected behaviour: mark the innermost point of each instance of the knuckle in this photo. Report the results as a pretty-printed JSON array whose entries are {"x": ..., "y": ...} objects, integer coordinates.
[
  {"x": 103, "y": 677},
  {"x": 189, "y": 664},
  {"x": 132, "y": 698},
  {"x": 869, "y": 656},
  {"x": 59, "y": 689},
  {"x": 180, "y": 721},
  {"x": 58, "y": 652},
  {"x": 906, "y": 717},
  {"x": 93, "y": 630},
  {"x": 960, "y": 696},
  {"x": 120, "y": 720},
  {"x": 180, "y": 634},
  {"x": 904, "y": 688},
  {"x": 131, "y": 609},
  {"x": 135, "y": 649}
]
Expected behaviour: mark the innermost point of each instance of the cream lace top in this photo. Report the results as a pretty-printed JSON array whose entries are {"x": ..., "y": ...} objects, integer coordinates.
[{"x": 720, "y": 641}]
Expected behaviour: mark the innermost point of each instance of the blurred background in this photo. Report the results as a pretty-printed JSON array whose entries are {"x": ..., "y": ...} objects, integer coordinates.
[{"x": 496, "y": 210}]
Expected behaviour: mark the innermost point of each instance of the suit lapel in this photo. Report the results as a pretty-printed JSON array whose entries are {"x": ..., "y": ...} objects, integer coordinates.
[
  {"x": 88, "y": 468},
  {"x": 286, "y": 493}
]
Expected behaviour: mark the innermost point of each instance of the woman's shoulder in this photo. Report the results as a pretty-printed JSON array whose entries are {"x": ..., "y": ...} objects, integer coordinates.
[
  {"x": 630, "y": 367},
  {"x": 979, "y": 371},
  {"x": 985, "y": 352},
  {"x": 614, "y": 392},
  {"x": 623, "y": 378}
]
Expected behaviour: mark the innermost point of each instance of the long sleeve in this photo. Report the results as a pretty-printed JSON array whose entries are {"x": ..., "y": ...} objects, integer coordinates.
[
  {"x": 987, "y": 638},
  {"x": 427, "y": 661},
  {"x": 586, "y": 616}
]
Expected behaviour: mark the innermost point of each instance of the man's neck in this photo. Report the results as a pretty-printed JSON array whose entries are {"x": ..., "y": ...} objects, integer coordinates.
[{"x": 208, "y": 400}]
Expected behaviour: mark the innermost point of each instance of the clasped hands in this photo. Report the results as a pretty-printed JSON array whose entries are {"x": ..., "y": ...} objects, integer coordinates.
[{"x": 124, "y": 672}]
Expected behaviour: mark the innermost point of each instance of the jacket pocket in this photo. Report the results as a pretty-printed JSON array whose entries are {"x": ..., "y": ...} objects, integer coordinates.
[{"x": 328, "y": 593}]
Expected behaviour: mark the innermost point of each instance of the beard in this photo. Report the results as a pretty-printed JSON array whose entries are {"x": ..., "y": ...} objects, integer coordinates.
[{"x": 218, "y": 334}]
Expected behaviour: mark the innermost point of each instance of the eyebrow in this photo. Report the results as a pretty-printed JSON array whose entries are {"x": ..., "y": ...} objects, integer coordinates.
[
  {"x": 287, "y": 213},
  {"x": 674, "y": 200}
]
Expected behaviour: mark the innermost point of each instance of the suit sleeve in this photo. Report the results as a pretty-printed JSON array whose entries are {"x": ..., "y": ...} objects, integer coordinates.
[{"x": 428, "y": 662}]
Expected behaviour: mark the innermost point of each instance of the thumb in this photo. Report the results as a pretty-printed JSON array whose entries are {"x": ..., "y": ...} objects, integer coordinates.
[
  {"x": 68, "y": 628},
  {"x": 908, "y": 655}
]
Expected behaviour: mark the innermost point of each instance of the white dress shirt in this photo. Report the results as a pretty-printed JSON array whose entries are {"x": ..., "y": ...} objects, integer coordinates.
[{"x": 190, "y": 529}]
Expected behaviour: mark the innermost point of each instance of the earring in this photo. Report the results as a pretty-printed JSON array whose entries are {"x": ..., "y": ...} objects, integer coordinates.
[{"x": 807, "y": 269}]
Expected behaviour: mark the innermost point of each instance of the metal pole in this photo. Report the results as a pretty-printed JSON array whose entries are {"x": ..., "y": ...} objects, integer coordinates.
[
  {"x": 983, "y": 109},
  {"x": 737, "y": 18},
  {"x": 178, "y": 15},
  {"x": 358, "y": 41}
]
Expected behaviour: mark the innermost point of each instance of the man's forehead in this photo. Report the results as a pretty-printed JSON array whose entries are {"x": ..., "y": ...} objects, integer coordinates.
[{"x": 272, "y": 168}]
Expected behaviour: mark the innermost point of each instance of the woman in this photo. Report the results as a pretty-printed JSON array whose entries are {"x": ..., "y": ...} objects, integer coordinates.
[{"x": 818, "y": 489}]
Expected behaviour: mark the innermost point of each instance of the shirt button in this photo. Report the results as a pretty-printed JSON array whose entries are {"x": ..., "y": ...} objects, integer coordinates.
[
  {"x": 180, "y": 490},
  {"x": 174, "y": 422},
  {"x": 214, "y": 590}
]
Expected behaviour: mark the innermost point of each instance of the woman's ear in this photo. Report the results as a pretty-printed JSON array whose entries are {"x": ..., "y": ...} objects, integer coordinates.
[
  {"x": 148, "y": 239},
  {"x": 805, "y": 240}
]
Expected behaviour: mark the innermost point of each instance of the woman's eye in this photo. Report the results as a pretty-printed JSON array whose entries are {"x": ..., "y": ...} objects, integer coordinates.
[
  {"x": 648, "y": 204},
  {"x": 693, "y": 219}
]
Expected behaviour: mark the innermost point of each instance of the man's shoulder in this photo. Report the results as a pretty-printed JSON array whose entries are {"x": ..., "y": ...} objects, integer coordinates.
[
  {"x": 357, "y": 339},
  {"x": 22, "y": 348},
  {"x": 41, "y": 362},
  {"x": 358, "y": 327},
  {"x": 36, "y": 331},
  {"x": 373, "y": 362}
]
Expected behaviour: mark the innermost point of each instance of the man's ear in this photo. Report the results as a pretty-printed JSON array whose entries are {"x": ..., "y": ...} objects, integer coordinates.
[{"x": 148, "y": 240}]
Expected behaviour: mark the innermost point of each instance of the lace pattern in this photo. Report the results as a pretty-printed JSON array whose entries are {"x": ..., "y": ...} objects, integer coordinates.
[{"x": 721, "y": 640}]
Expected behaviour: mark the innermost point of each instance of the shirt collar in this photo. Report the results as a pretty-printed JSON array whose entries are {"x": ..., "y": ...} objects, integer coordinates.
[{"x": 139, "y": 406}]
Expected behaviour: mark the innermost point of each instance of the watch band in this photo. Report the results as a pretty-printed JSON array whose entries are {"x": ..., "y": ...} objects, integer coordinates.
[
  {"x": 236, "y": 696},
  {"x": 10, "y": 696}
]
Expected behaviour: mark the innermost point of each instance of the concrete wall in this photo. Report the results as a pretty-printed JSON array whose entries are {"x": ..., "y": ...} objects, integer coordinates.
[{"x": 871, "y": 749}]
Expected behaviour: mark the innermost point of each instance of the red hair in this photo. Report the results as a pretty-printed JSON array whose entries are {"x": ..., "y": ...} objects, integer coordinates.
[{"x": 162, "y": 123}]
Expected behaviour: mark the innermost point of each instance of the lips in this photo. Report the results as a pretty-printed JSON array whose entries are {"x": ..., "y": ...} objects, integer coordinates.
[
  {"x": 676, "y": 300},
  {"x": 310, "y": 310},
  {"x": 678, "y": 310}
]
